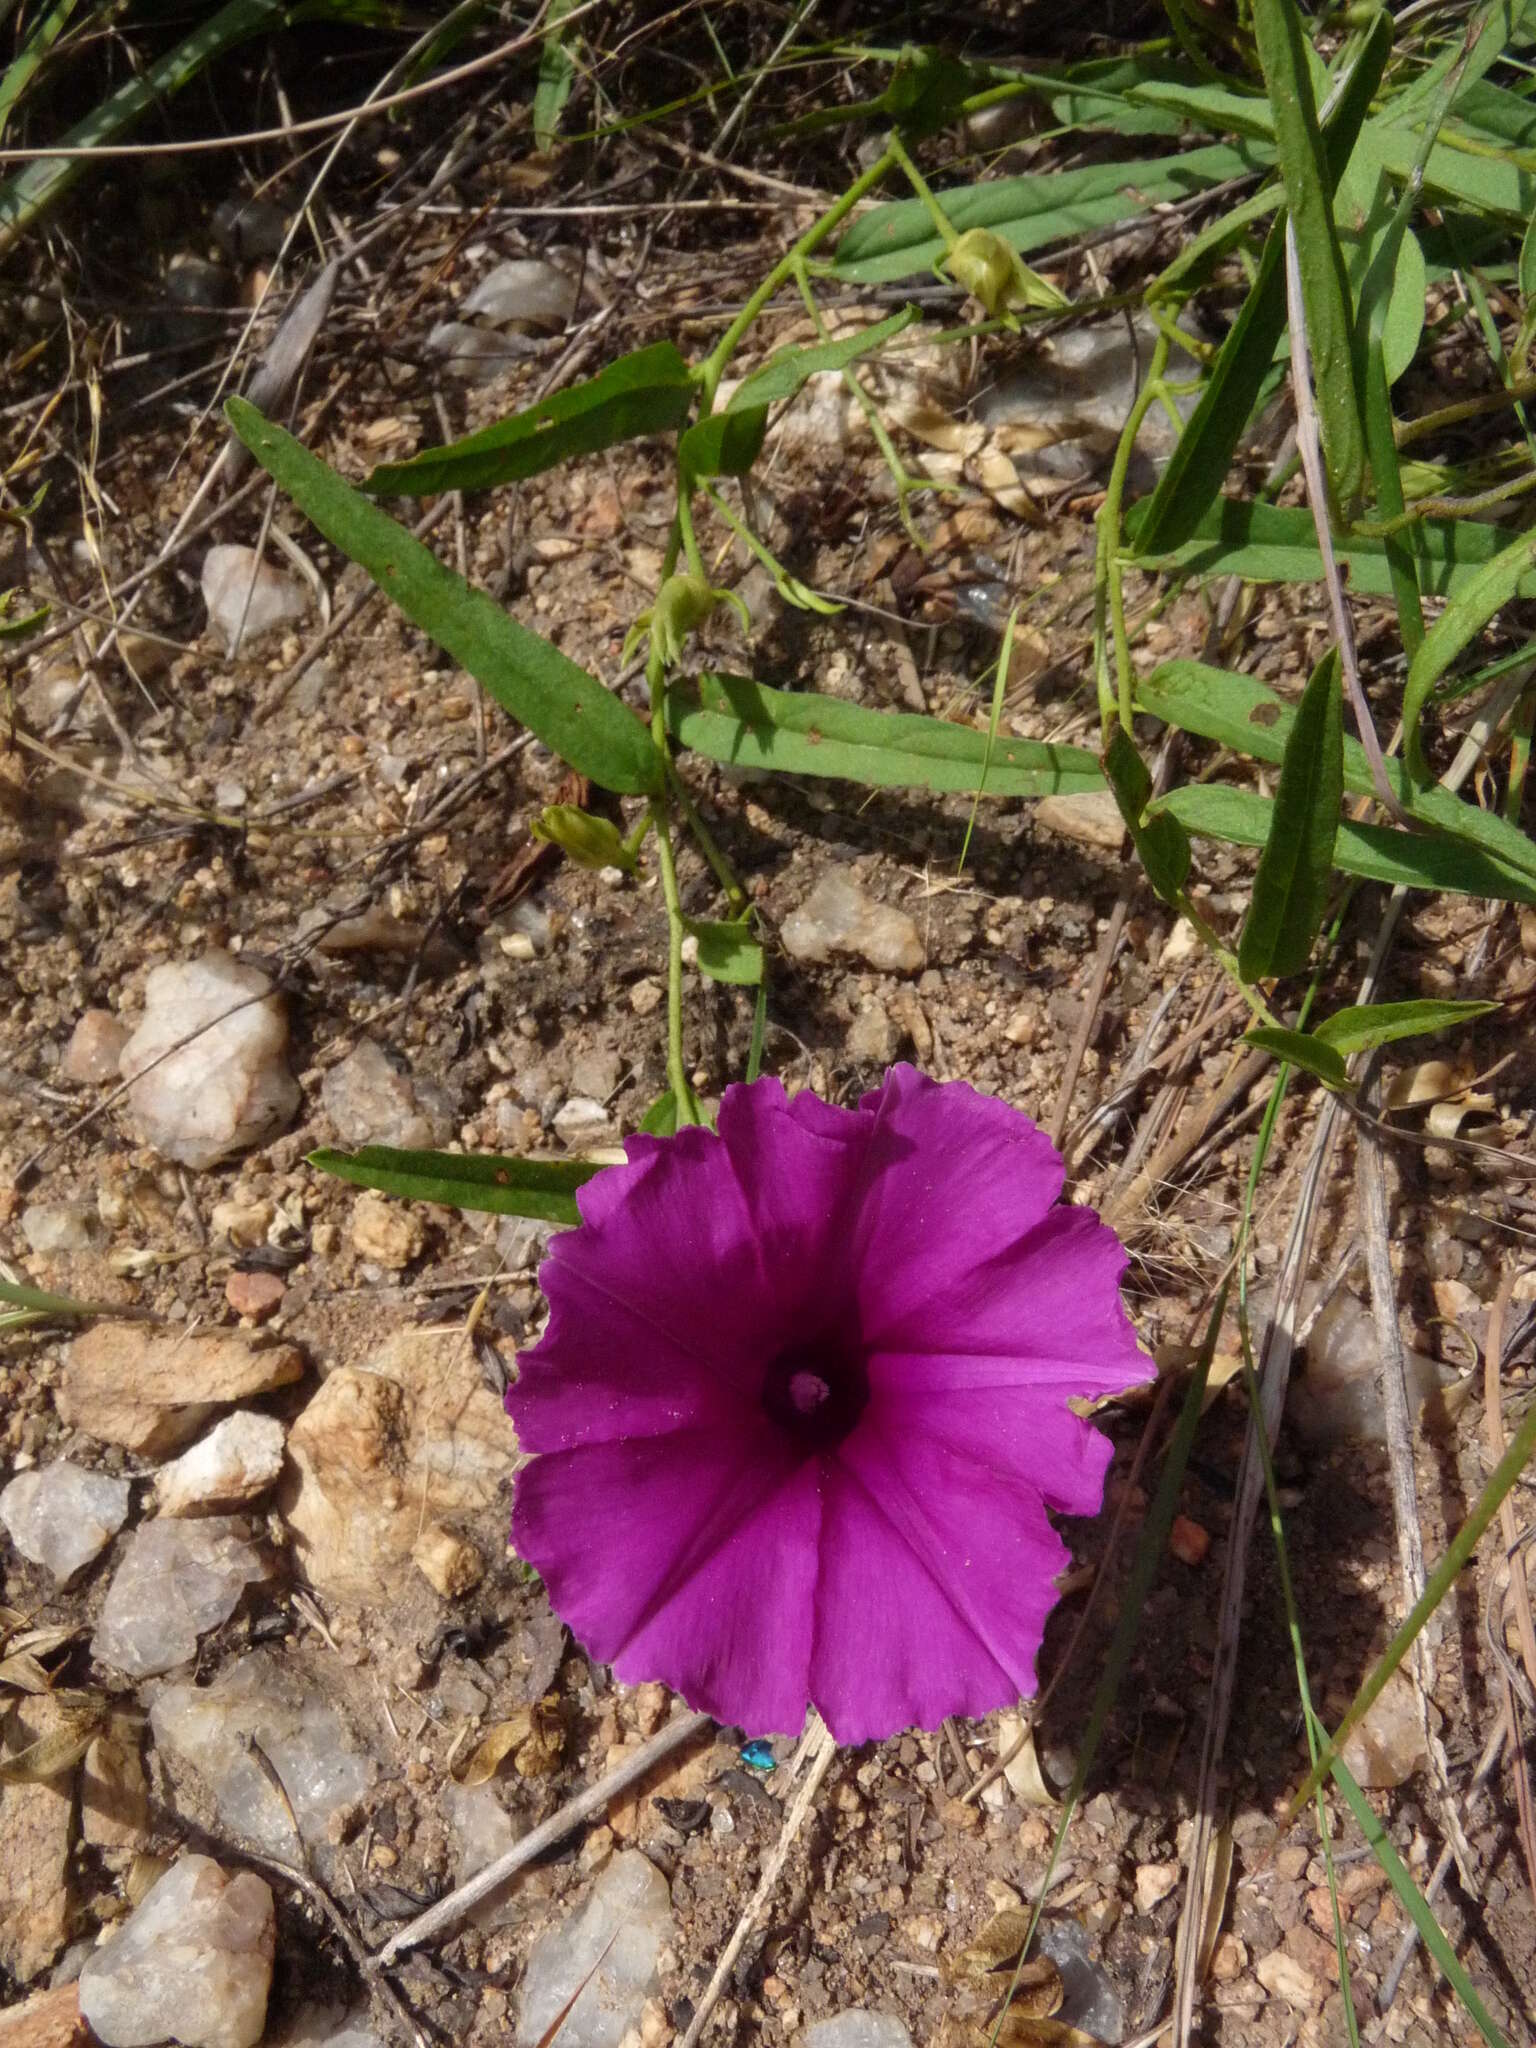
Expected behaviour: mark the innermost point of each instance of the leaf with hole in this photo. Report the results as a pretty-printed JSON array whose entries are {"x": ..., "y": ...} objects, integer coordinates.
[
  {"x": 1239, "y": 712},
  {"x": 569, "y": 710},
  {"x": 541, "y": 1188},
  {"x": 649, "y": 392},
  {"x": 1290, "y": 890},
  {"x": 1278, "y": 544}
]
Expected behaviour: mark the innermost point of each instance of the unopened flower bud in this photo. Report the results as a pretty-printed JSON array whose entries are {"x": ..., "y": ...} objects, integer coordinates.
[{"x": 590, "y": 842}]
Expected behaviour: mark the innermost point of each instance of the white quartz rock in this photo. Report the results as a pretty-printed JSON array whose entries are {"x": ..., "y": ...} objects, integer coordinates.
[
  {"x": 192, "y": 1963},
  {"x": 274, "y": 601},
  {"x": 231, "y": 1465},
  {"x": 226, "y": 1085},
  {"x": 607, "y": 1950},
  {"x": 302, "y": 1738},
  {"x": 61, "y": 1516},
  {"x": 176, "y": 1581}
]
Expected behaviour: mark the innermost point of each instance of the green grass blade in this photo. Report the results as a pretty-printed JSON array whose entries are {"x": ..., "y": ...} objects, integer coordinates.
[
  {"x": 745, "y": 724},
  {"x": 1457, "y": 1556},
  {"x": 557, "y": 74},
  {"x": 545, "y": 1189},
  {"x": 40, "y": 184},
  {"x": 569, "y": 710},
  {"x": 999, "y": 689},
  {"x": 23, "y": 67},
  {"x": 1290, "y": 890},
  {"x": 1308, "y": 197},
  {"x": 649, "y": 392},
  {"x": 1376, "y": 853},
  {"x": 1411, "y": 1899}
]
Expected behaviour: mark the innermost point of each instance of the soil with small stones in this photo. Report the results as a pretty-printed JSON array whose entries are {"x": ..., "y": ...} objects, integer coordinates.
[{"x": 259, "y": 804}]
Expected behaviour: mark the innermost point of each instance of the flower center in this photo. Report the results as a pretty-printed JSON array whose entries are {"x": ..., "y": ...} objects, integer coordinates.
[{"x": 817, "y": 1391}]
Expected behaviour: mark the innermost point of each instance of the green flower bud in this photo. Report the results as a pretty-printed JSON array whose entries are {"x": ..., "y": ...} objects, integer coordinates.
[
  {"x": 992, "y": 272},
  {"x": 590, "y": 842}
]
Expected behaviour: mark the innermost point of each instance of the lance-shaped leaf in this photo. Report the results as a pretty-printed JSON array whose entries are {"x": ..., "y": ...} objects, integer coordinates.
[
  {"x": 1374, "y": 852},
  {"x": 1290, "y": 890},
  {"x": 1300, "y": 1049},
  {"x": 543, "y": 1188},
  {"x": 650, "y": 392},
  {"x": 1161, "y": 841},
  {"x": 748, "y": 725},
  {"x": 1308, "y": 196},
  {"x": 568, "y": 709},
  {"x": 1364, "y": 1026}
]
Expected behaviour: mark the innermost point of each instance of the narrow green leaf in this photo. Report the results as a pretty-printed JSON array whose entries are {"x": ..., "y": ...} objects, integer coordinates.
[
  {"x": 1365, "y": 1025},
  {"x": 557, "y": 74},
  {"x": 1462, "y": 620},
  {"x": 1300, "y": 1049},
  {"x": 542, "y": 1188},
  {"x": 1278, "y": 544},
  {"x": 748, "y": 725},
  {"x": 1161, "y": 841},
  {"x": 1206, "y": 446},
  {"x": 1324, "y": 286},
  {"x": 568, "y": 709},
  {"x": 37, "y": 1301},
  {"x": 900, "y": 240},
  {"x": 728, "y": 952},
  {"x": 41, "y": 183},
  {"x": 42, "y": 34},
  {"x": 1412, "y": 1900},
  {"x": 1375, "y": 852},
  {"x": 649, "y": 392},
  {"x": 1290, "y": 890},
  {"x": 789, "y": 368},
  {"x": 1240, "y": 712}
]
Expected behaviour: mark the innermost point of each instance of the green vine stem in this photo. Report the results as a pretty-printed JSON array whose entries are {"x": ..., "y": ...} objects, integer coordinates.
[
  {"x": 1109, "y": 596},
  {"x": 714, "y": 365}
]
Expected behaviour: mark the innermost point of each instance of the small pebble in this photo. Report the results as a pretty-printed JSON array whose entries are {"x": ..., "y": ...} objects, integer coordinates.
[
  {"x": 95, "y": 1048},
  {"x": 257, "y": 1295}
]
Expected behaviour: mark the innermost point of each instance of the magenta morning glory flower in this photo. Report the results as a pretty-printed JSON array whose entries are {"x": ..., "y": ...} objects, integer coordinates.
[{"x": 801, "y": 1406}]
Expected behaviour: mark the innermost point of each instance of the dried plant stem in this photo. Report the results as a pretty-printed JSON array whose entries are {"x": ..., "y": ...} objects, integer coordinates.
[
  {"x": 822, "y": 1753},
  {"x": 1309, "y": 447},
  {"x": 1519, "y": 1585},
  {"x": 1376, "y": 1231},
  {"x": 449, "y": 1911}
]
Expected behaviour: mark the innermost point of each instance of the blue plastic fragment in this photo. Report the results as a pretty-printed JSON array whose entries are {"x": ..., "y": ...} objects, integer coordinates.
[{"x": 759, "y": 1756}]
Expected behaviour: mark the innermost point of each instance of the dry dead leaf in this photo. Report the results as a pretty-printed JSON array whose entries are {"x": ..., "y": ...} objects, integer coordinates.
[{"x": 1021, "y": 1768}]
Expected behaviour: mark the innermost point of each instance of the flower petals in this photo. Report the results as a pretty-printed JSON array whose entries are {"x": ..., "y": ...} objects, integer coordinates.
[
  {"x": 690, "y": 1559},
  {"x": 950, "y": 1179},
  {"x": 936, "y": 1580}
]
